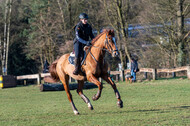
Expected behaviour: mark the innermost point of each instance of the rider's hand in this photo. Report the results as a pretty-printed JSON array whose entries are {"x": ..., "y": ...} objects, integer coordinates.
[{"x": 88, "y": 43}]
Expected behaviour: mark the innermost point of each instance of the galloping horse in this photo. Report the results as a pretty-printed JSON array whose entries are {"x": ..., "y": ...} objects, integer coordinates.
[{"x": 94, "y": 67}]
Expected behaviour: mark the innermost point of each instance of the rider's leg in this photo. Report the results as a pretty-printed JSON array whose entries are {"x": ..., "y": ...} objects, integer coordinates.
[{"x": 77, "y": 58}]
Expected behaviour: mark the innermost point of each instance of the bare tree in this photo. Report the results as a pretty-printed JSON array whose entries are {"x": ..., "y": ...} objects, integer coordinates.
[
  {"x": 166, "y": 22},
  {"x": 117, "y": 14},
  {"x": 8, "y": 35},
  {"x": 7, "y": 17},
  {"x": 1, "y": 59}
]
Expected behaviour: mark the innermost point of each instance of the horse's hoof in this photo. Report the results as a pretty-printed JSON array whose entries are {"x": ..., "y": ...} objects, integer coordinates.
[
  {"x": 94, "y": 98},
  {"x": 76, "y": 112},
  {"x": 120, "y": 104},
  {"x": 90, "y": 106}
]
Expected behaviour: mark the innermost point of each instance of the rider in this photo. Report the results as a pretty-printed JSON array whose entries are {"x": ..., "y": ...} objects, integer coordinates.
[{"x": 82, "y": 33}]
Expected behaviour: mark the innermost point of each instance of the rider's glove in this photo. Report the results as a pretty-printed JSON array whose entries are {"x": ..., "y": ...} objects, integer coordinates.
[{"x": 88, "y": 43}]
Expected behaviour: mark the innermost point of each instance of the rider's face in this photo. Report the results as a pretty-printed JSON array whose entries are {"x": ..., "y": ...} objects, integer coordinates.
[{"x": 84, "y": 21}]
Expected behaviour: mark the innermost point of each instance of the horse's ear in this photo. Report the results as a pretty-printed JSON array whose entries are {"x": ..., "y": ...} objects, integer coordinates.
[{"x": 111, "y": 32}]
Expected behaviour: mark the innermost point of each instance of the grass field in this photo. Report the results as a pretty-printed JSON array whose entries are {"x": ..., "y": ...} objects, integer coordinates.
[{"x": 161, "y": 102}]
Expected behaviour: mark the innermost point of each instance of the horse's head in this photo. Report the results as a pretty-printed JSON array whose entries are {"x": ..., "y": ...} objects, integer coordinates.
[{"x": 110, "y": 43}]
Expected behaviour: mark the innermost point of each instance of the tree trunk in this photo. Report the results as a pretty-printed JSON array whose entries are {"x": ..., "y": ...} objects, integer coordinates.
[
  {"x": 5, "y": 38},
  {"x": 8, "y": 35},
  {"x": 124, "y": 27},
  {"x": 180, "y": 33},
  {"x": 0, "y": 55},
  {"x": 69, "y": 35},
  {"x": 120, "y": 50},
  {"x": 62, "y": 15}
]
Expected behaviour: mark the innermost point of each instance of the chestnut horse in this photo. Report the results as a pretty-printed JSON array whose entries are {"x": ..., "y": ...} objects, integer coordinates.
[{"x": 94, "y": 67}]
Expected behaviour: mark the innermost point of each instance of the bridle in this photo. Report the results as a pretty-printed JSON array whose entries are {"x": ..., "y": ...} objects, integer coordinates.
[{"x": 106, "y": 43}]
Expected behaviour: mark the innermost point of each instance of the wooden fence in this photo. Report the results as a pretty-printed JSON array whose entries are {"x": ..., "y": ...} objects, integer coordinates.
[
  {"x": 154, "y": 72},
  {"x": 118, "y": 74}
]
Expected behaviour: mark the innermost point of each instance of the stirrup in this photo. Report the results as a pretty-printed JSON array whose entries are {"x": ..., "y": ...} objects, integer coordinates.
[{"x": 75, "y": 73}]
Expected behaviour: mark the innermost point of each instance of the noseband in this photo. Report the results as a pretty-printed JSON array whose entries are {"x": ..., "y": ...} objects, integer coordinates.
[{"x": 106, "y": 43}]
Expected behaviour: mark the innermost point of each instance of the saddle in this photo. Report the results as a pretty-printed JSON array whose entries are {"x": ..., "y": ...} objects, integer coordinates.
[{"x": 72, "y": 56}]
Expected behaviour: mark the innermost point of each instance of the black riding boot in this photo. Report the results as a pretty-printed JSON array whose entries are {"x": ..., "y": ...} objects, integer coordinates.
[{"x": 77, "y": 66}]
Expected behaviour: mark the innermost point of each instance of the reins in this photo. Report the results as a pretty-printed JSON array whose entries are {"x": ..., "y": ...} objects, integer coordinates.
[{"x": 106, "y": 43}]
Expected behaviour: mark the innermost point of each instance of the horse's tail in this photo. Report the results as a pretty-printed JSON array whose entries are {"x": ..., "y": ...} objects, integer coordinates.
[{"x": 53, "y": 71}]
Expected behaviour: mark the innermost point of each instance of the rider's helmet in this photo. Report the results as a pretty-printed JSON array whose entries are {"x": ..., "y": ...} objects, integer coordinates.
[{"x": 83, "y": 16}]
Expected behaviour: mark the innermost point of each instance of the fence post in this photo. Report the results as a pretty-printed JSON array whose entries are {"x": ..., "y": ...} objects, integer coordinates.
[
  {"x": 116, "y": 77},
  {"x": 188, "y": 72},
  {"x": 145, "y": 75},
  {"x": 173, "y": 74},
  {"x": 24, "y": 82},
  {"x": 154, "y": 74},
  {"x": 39, "y": 79},
  {"x": 122, "y": 75}
]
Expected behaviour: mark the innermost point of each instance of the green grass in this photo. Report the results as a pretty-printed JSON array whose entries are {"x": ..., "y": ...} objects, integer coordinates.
[{"x": 161, "y": 102}]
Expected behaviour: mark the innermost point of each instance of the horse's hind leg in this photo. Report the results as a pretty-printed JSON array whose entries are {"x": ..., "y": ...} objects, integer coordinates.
[
  {"x": 109, "y": 80},
  {"x": 80, "y": 92},
  {"x": 65, "y": 80}
]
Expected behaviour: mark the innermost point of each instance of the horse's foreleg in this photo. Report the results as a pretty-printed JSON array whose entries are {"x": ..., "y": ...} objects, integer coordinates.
[
  {"x": 109, "y": 80},
  {"x": 80, "y": 92},
  {"x": 94, "y": 80}
]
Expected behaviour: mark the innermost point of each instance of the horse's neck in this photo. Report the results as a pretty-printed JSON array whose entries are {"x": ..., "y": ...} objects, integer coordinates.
[{"x": 97, "y": 51}]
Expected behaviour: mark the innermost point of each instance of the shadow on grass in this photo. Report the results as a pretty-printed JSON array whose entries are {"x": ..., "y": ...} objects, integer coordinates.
[
  {"x": 150, "y": 110},
  {"x": 162, "y": 110},
  {"x": 167, "y": 110},
  {"x": 182, "y": 107}
]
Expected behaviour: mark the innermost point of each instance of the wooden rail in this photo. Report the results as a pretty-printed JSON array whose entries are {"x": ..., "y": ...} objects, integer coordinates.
[
  {"x": 45, "y": 74},
  {"x": 173, "y": 70},
  {"x": 32, "y": 76},
  {"x": 154, "y": 72},
  {"x": 39, "y": 77}
]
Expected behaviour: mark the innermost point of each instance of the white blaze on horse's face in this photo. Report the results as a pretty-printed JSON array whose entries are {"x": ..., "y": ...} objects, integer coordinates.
[{"x": 115, "y": 52}]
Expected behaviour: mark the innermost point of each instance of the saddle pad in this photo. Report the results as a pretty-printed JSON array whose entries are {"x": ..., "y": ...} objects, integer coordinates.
[{"x": 72, "y": 60}]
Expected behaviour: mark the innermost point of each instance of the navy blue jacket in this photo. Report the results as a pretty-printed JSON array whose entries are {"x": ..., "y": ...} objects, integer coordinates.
[{"x": 83, "y": 32}]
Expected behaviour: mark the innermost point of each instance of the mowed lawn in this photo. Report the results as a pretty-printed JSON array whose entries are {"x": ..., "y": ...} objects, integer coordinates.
[{"x": 161, "y": 102}]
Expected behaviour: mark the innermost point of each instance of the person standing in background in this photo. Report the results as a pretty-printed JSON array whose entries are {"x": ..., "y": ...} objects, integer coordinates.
[{"x": 134, "y": 69}]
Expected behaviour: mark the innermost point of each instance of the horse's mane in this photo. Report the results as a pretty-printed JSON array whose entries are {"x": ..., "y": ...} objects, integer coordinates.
[{"x": 98, "y": 36}]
